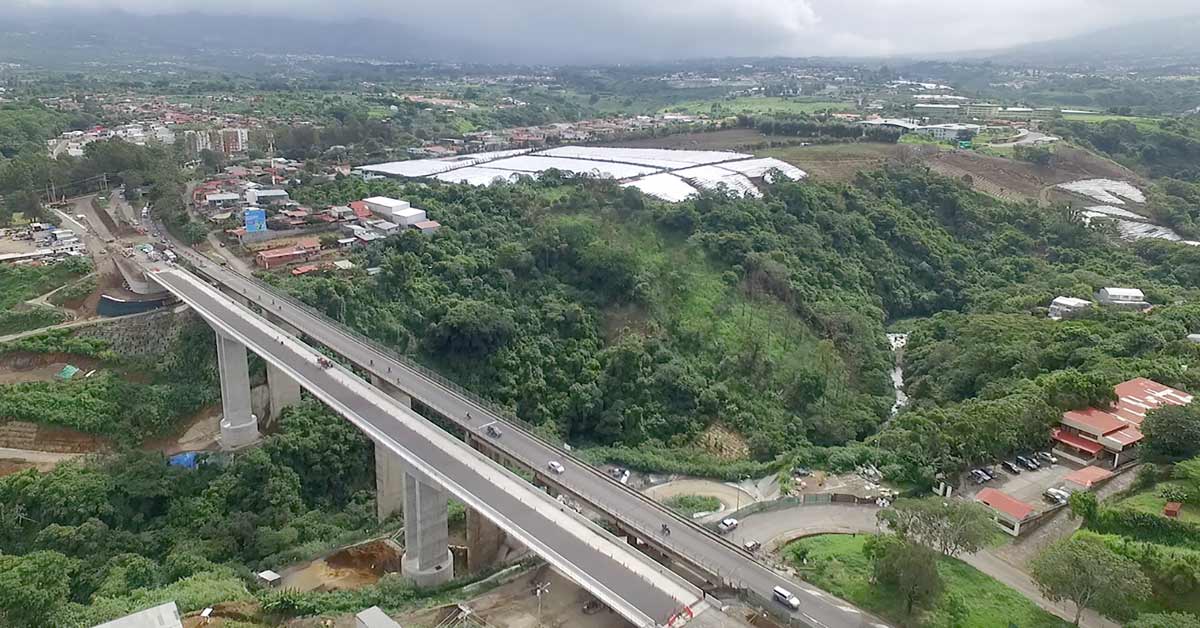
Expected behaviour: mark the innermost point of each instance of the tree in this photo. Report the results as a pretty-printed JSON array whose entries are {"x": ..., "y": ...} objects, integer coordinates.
[
  {"x": 1173, "y": 432},
  {"x": 948, "y": 526},
  {"x": 194, "y": 232},
  {"x": 1165, "y": 620},
  {"x": 1084, "y": 571},
  {"x": 212, "y": 160},
  {"x": 33, "y": 587},
  {"x": 908, "y": 568}
]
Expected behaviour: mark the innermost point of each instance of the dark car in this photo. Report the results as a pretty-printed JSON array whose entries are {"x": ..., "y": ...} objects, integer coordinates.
[
  {"x": 1028, "y": 463},
  {"x": 1011, "y": 467}
]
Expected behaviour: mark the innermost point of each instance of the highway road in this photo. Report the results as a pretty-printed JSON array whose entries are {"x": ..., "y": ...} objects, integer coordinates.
[
  {"x": 635, "y": 511},
  {"x": 536, "y": 519}
]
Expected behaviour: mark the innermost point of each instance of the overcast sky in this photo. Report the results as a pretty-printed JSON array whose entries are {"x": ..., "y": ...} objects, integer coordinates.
[{"x": 663, "y": 29}]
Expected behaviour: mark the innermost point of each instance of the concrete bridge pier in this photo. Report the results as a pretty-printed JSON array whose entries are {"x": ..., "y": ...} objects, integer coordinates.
[
  {"x": 284, "y": 392},
  {"x": 427, "y": 558},
  {"x": 239, "y": 426}
]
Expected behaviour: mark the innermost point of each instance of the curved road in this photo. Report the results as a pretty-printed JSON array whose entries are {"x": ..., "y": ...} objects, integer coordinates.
[
  {"x": 635, "y": 511},
  {"x": 774, "y": 528}
]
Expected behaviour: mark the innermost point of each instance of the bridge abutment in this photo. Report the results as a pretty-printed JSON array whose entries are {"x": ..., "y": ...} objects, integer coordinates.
[{"x": 239, "y": 426}]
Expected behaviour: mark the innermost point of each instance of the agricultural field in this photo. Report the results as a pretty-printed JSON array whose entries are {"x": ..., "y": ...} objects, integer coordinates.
[
  {"x": 835, "y": 162},
  {"x": 1151, "y": 501}
]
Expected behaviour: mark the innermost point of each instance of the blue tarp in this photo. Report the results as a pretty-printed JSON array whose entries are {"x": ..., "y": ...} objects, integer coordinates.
[{"x": 186, "y": 460}]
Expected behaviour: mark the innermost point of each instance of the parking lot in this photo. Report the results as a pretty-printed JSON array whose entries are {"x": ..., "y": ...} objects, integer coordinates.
[{"x": 1029, "y": 485}]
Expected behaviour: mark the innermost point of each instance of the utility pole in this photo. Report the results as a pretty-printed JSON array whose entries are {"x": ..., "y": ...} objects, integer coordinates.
[{"x": 539, "y": 590}]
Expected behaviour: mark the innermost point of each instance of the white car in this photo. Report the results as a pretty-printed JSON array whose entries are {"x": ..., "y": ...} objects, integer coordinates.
[
  {"x": 727, "y": 524},
  {"x": 786, "y": 598},
  {"x": 556, "y": 466}
]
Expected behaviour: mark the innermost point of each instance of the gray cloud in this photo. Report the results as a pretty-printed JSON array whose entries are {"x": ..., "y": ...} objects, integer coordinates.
[{"x": 570, "y": 30}]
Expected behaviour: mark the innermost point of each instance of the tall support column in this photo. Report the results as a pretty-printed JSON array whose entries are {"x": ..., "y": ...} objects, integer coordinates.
[
  {"x": 484, "y": 540},
  {"x": 239, "y": 426},
  {"x": 389, "y": 469},
  {"x": 427, "y": 558},
  {"x": 389, "y": 482},
  {"x": 284, "y": 390}
]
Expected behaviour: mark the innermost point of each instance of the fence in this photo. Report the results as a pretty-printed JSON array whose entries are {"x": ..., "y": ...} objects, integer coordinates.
[{"x": 811, "y": 499}]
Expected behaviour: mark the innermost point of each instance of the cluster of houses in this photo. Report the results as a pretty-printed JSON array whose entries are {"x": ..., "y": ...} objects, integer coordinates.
[
  {"x": 359, "y": 223},
  {"x": 558, "y": 133},
  {"x": 1121, "y": 298}
]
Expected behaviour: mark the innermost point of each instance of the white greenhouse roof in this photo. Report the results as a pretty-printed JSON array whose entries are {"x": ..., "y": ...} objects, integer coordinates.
[{"x": 665, "y": 186}]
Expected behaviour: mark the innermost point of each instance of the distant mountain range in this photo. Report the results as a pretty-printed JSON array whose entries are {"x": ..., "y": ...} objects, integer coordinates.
[
  {"x": 80, "y": 39},
  {"x": 1147, "y": 44}
]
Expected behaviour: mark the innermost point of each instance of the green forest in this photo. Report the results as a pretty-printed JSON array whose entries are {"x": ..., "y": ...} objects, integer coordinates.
[{"x": 613, "y": 320}]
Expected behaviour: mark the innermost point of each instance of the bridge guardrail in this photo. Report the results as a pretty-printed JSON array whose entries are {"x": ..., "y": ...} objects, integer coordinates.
[{"x": 491, "y": 407}]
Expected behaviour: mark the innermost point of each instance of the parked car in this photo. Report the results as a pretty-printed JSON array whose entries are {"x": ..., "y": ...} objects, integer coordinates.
[
  {"x": 751, "y": 546},
  {"x": 555, "y": 466},
  {"x": 1011, "y": 467},
  {"x": 728, "y": 524},
  {"x": 1061, "y": 492},
  {"x": 1048, "y": 457},
  {"x": 785, "y": 597},
  {"x": 1054, "y": 496},
  {"x": 979, "y": 476},
  {"x": 801, "y": 472},
  {"x": 493, "y": 431},
  {"x": 1028, "y": 463}
]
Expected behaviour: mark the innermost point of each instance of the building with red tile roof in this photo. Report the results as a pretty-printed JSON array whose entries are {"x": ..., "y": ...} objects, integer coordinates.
[
  {"x": 1009, "y": 512},
  {"x": 1091, "y": 433},
  {"x": 1087, "y": 477},
  {"x": 360, "y": 209}
]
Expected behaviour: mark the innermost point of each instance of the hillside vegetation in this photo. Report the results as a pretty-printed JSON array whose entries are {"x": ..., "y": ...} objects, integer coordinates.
[{"x": 609, "y": 318}]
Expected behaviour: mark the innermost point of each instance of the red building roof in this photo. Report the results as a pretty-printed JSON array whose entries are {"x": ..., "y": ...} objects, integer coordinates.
[
  {"x": 1092, "y": 421},
  {"x": 1138, "y": 396},
  {"x": 1076, "y": 441},
  {"x": 360, "y": 209},
  {"x": 1088, "y": 476},
  {"x": 1005, "y": 504}
]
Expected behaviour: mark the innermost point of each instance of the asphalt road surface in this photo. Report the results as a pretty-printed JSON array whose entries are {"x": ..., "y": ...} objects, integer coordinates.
[{"x": 635, "y": 511}]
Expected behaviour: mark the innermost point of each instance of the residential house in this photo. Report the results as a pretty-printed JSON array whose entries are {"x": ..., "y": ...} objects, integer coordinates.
[
  {"x": 274, "y": 258},
  {"x": 427, "y": 227},
  {"x": 222, "y": 199},
  {"x": 949, "y": 132},
  {"x": 266, "y": 196},
  {"x": 1007, "y": 511},
  {"x": 1130, "y": 298},
  {"x": 1066, "y": 307}
]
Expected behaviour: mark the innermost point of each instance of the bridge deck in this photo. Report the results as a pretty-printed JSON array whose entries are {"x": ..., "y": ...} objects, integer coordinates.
[
  {"x": 637, "y": 512},
  {"x": 599, "y": 563}
]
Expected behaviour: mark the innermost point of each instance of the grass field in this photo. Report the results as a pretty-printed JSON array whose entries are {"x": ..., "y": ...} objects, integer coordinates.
[
  {"x": 838, "y": 162},
  {"x": 970, "y": 598},
  {"x": 759, "y": 104},
  {"x": 1149, "y": 501},
  {"x": 688, "y": 505}
]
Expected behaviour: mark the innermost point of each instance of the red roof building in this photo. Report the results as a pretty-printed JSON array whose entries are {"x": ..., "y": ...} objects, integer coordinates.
[
  {"x": 1087, "y": 477},
  {"x": 1085, "y": 435},
  {"x": 1010, "y": 512},
  {"x": 361, "y": 210}
]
